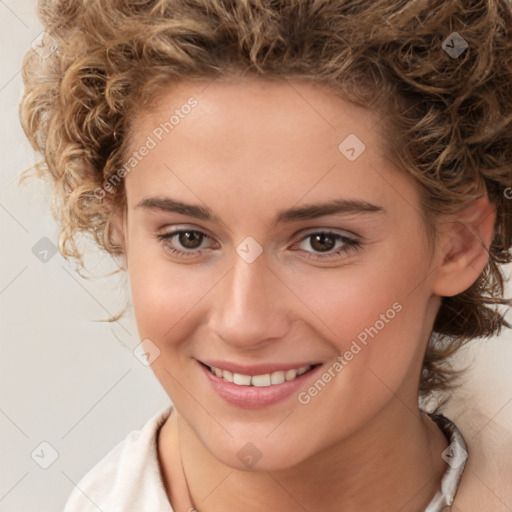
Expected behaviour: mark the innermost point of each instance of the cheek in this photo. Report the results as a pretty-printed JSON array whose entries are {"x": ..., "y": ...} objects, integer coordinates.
[
  {"x": 349, "y": 299},
  {"x": 150, "y": 291},
  {"x": 166, "y": 296},
  {"x": 373, "y": 313}
]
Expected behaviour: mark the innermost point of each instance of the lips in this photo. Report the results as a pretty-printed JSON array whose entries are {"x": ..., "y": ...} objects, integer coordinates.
[{"x": 257, "y": 386}]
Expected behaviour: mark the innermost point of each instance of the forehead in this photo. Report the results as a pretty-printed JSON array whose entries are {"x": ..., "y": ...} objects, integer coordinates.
[
  {"x": 260, "y": 108},
  {"x": 262, "y": 142}
]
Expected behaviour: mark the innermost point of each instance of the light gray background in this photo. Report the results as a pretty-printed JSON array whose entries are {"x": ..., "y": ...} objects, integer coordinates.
[
  {"x": 74, "y": 382},
  {"x": 65, "y": 378}
]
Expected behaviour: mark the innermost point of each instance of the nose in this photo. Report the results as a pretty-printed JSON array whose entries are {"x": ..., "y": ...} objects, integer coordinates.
[{"x": 249, "y": 309}]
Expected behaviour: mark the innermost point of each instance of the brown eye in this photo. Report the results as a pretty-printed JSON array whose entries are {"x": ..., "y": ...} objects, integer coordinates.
[
  {"x": 186, "y": 243},
  {"x": 190, "y": 239},
  {"x": 326, "y": 244},
  {"x": 322, "y": 242}
]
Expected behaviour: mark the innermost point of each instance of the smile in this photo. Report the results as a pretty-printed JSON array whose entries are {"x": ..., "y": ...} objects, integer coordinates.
[
  {"x": 258, "y": 385},
  {"x": 264, "y": 380}
]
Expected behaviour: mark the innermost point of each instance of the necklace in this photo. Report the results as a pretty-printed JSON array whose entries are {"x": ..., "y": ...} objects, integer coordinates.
[{"x": 192, "y": 507}]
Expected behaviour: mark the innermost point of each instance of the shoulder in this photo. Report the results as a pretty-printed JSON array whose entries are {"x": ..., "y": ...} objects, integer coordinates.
[
  {"x": 487, "y": 480},
  {"x": 128, "y": 478}
]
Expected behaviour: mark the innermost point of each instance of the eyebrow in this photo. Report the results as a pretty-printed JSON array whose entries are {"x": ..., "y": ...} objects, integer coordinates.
[{"x": 308, "y": 211}]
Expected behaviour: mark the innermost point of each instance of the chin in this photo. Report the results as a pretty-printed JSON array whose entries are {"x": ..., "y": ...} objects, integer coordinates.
[{"x": 259, "y": 456}]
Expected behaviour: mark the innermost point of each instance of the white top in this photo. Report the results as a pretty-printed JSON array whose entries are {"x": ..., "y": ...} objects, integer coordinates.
[{"x": 129, "y": 479}]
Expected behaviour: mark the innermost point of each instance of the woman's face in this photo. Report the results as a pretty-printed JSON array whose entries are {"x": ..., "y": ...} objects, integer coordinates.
[{"x": 300, "y": 246}]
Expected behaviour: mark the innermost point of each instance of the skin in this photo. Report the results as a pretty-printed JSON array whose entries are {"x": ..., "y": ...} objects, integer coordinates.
[{"x": 247, "y": 150}]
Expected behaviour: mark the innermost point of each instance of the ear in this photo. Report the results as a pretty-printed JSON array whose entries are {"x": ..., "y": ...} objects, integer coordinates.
[
  {"x": 466, "y": 238},
  {"x": 118, "y": 237}
]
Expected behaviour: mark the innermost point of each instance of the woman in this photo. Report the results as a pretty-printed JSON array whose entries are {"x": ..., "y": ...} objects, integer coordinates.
[{"x": 310, "y": 201}]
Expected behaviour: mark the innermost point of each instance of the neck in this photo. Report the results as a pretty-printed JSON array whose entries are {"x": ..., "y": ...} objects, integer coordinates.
[{"x": 393, "y": 463}]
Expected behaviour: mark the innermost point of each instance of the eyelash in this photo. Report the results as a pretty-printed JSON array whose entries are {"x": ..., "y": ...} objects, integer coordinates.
[{"x": 349, "y": 243}]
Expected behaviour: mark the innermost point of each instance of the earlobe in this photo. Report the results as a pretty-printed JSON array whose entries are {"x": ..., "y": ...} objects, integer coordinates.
[{"x": 465, "y": 248}]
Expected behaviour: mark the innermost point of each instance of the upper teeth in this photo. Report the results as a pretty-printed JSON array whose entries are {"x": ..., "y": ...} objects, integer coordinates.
[{"x": 268, "y": 379}]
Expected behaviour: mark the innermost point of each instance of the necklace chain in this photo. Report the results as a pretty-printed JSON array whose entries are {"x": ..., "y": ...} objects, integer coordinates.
[{"x": 192, "y": 507}]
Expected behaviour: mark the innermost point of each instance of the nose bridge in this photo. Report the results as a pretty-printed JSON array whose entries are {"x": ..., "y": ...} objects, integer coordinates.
[{"x": 246, "y": 310}]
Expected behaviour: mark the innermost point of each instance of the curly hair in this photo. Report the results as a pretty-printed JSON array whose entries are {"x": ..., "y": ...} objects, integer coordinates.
[{"x": 446, "y": 109}]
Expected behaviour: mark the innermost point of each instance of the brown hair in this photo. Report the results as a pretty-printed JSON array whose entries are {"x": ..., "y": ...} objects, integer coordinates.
[{"x": 446, "y": 107}]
